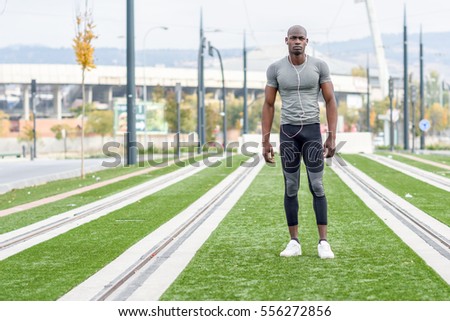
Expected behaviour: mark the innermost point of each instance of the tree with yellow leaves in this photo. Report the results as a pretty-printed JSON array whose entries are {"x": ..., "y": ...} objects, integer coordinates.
[
  {"x": 438, "y": 117},
  {"x": 84, "y": 53},
  {"x": 4, "y": 123}
]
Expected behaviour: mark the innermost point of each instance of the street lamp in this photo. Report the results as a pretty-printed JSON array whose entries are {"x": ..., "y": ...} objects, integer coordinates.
[
  {"x": 144, "y": 98},
  {"x": 201, "y": 114},
  {"x": 224, "y": 111}
]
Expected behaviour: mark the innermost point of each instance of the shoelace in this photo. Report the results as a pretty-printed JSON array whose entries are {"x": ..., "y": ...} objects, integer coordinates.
[{"x": 325, "y": 246}]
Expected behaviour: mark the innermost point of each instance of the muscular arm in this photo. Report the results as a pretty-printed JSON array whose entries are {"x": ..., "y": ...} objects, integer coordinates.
[
  {"x": 331, "y": 110},
  {"x": 268, "y": 111}
]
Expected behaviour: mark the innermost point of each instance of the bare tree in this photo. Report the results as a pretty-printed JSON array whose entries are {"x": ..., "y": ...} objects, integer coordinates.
[{"x": 84, "y": 53}]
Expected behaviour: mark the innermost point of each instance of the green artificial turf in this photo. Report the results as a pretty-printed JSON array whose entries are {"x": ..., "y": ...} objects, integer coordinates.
[
  {"x": 50, "y": 269},
  {"x": 426, "y": 167},
  {"x": 432, "y": 200},
  {"x": 240, "y": 261}
]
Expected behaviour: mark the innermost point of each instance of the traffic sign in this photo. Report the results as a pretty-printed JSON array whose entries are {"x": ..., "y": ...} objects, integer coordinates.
[{"x": 424, "y": 125}]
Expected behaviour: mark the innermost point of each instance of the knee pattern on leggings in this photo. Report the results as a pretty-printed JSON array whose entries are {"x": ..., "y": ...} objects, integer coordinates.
[
  {"x": 316, "y": 182},
  {"x": 292, "y": 182}
]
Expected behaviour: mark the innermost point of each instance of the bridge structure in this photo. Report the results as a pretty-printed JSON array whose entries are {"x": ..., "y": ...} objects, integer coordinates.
[{"x": 58, "y": 86}]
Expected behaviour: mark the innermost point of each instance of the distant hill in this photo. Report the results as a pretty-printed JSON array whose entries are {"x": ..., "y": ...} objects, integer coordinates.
[
  {"x": 103, "y": 56},
  {"x": 349, "y": 53},
  {"x": 436, "y": 48}
]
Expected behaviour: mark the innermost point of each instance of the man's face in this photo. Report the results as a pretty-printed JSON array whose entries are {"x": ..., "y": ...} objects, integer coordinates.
[{"x": 296, "y": 41}]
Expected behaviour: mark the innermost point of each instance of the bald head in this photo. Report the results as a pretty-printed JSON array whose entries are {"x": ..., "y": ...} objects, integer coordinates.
[
  {"x": 297, "y": 40},
  {"x": 297, "y": 29}
]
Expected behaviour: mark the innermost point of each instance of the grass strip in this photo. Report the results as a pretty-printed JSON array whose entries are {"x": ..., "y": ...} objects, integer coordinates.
[
  {"x": 426, "y": 167},
  {"x": 50, "y": 269},
  {"x": 240, "y": 260},
  {"x": 428, "y": 198}
]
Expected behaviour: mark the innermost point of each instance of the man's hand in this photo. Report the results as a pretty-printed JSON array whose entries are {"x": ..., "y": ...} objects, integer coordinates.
[
  {"x": 268, "y": 153},
  {"x": 329, "y": 147}
]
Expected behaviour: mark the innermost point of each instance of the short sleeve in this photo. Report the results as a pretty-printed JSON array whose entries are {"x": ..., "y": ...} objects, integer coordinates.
[
  {"x": 324, "y": 73},
  {"x": 272, "y": 76}
]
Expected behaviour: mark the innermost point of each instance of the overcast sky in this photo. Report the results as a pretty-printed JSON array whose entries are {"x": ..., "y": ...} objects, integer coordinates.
[{"x": 51, "y": 22}]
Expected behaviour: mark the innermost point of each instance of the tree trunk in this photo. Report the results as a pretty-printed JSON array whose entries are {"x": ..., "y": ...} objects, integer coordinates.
[{"x": 82, "y": 124}]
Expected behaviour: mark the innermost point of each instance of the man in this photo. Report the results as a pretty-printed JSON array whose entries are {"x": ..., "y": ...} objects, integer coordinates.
[{"x": 299, "y": 78}]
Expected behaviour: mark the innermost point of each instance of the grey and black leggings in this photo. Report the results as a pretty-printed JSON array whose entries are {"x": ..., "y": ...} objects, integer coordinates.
[{"x": 295, "y": 142}]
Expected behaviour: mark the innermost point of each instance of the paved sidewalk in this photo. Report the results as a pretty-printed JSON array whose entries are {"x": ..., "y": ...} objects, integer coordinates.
[
  {"x": 20, "y": 173},
  {"x": 425, "y": 161}
]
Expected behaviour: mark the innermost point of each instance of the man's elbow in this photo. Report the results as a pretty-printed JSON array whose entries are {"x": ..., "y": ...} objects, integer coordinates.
[
  {"x": 331, "y": 102},
  {"x": 268, "y": 106}
]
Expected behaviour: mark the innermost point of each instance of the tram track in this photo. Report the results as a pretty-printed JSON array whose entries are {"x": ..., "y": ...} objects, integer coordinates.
[
  {"x": 428, "y": 237},
  {"x": 154, "y": 262},
  {"x": 18, "y": 240}
]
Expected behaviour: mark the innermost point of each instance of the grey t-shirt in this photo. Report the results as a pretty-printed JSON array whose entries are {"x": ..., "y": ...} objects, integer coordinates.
[{"x": 299, "y": 88}]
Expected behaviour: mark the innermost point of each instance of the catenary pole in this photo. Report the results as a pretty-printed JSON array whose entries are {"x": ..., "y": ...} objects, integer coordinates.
[{"x": 131, "y": 90}]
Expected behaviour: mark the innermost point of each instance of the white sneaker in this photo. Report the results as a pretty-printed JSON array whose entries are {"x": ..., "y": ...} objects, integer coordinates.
[
  {"x": 324, "y": 250},
  {"x": 292, "y": 249}
]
